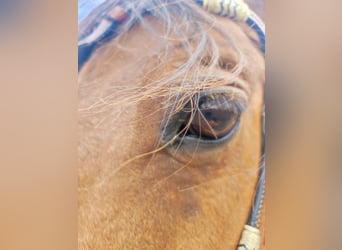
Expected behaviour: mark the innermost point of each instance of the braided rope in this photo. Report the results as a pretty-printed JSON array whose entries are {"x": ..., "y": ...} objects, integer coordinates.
[
  {"x": 250, "y": 239},
  {"x": 235, "y": 9}
]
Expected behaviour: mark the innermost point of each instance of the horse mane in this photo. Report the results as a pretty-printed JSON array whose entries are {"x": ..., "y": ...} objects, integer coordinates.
[{"x": 187, "y": 22}]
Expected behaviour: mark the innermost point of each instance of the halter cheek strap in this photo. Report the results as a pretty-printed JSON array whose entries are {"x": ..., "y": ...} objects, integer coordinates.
[{"x": 239, "y": 11}]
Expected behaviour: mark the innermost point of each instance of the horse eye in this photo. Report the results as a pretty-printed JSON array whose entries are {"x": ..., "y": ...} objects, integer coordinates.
[{"x": 215, "y": 117}]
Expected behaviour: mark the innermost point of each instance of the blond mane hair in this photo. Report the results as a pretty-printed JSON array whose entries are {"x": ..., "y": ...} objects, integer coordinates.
[{"x": 187, "y": 23}]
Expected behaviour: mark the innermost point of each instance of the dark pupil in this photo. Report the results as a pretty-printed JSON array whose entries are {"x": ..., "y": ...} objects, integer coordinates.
[{"x": 215, "y": 117}]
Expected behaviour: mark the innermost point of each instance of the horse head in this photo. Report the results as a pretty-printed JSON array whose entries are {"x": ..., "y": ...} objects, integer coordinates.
[{"x": 171, "y": 125}]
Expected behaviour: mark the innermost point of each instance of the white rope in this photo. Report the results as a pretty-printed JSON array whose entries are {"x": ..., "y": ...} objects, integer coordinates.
[
  {"x": 235, "y": 9},
  {"x": 250, "y": 239}
]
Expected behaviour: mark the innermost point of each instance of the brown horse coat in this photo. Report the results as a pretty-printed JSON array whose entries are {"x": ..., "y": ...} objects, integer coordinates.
[{"x": 136, "y": 192}]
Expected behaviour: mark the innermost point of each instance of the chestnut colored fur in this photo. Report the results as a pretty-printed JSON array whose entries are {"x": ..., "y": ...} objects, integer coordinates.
[{"x": 134, "y": 192}]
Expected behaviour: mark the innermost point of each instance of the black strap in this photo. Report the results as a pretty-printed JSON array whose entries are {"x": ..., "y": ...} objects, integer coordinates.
[
  {"x": 86, "y": 49},
  {"x": 84, "y": 52}
]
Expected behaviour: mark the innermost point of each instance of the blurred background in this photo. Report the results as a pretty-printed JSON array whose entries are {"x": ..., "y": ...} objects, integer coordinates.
[{"x": 38, "y": 124}]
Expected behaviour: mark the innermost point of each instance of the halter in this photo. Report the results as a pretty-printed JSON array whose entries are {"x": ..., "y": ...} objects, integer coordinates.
[{"x": 106, "y": 29}]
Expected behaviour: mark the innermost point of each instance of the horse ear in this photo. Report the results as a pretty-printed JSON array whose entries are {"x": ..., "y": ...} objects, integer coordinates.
[{"x": 258, "y": 6}]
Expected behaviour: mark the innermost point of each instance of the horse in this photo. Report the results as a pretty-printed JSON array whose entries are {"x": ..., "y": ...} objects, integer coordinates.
[{"x": 171, "y": 126}]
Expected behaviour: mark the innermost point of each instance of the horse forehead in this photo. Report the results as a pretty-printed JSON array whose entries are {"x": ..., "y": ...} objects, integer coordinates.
[
  {"x": 156, "y": 37},
  {"x": 141, "y": 44}
]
